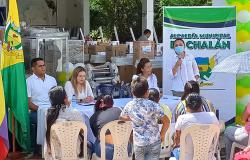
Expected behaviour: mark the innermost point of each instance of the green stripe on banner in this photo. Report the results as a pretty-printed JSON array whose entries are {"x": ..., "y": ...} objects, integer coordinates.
[
  {"x": 174, "y": 26},
  {"x": 201, "y": 14}
]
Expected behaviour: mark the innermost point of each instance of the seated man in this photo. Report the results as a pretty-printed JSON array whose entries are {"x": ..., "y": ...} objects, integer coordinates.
[{"x": 38, "y": 86}]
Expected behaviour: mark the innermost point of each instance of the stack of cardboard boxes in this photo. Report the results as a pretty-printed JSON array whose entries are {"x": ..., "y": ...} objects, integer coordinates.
[
  {"x": 143, "y": 49},
  {"x": 116, "y": 51}
]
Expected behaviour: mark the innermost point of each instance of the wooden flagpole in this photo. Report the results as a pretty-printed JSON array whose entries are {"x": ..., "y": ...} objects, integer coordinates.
[{"x": 13, "y": 134}]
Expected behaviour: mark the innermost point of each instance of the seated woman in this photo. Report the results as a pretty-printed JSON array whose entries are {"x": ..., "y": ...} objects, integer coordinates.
[
  {"x": 192, "y": 87},
  {"x": 195, "y": 116},
  {"x": 104, "y": 113},
  {"x": 144, "y": 68},
  {"x": 154, "y": 96},
  {"x": 239, "y": 134},
  {"x": 59, "y": 111},
  {"x": 78, "y": 86}
]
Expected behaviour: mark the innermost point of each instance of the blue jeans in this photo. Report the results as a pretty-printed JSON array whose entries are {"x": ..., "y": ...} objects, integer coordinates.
[
  {"x": 33, "y": 131},
  {"x": 109, "y": 150},
  {"x": 176, "y": 153},
  {"x": 149, "y": 152}
]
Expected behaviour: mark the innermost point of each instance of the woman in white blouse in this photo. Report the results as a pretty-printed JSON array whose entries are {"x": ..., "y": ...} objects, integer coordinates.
[
  {"x": 144, "y": 68},
  {"x": 79, "y": 87}
]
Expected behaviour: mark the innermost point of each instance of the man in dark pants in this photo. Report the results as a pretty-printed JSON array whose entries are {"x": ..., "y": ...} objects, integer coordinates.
[{"x": 38, "y": 86}]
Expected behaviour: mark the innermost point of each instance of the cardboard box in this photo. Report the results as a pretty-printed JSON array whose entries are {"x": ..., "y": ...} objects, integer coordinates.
[
  {"x": 126, "y": 73},
  {"x": 158, "y": 74},
  {"x": 143, "y": 49},
  {"x": 94, "y": 49},
  {"x": 115, "y": 51}
]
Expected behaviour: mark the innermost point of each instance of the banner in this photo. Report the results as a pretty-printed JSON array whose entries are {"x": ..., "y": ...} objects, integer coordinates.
[
  {"x": 243, "y": 44},
  {"x": 209, "y": 34}
]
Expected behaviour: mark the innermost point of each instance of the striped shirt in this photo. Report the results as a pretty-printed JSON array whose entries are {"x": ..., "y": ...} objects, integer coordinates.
[{"x": 180, "y": 109}]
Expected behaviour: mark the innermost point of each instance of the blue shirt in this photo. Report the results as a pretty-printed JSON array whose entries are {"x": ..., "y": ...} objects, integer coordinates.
[{"x": 144, "y": 115}]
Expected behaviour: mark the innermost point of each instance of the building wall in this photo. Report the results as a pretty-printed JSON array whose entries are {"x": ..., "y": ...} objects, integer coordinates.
[{"x": 36, "y": 12}]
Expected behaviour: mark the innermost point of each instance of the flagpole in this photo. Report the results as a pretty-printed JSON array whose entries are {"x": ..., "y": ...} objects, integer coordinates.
[{"x": 13, "y": 134}]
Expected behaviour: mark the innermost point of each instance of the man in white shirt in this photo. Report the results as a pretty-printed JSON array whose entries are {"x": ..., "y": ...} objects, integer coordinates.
[
  {"x": 38, "y": 86},
  {"x": 145, "y": 36},
  {"x": 182, "y": 68}
]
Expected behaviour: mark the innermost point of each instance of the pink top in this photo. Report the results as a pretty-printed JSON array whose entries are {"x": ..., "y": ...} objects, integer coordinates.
[{"x": 247, "y": 115}]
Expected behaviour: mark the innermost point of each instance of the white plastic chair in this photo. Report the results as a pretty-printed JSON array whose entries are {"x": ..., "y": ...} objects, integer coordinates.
[
  {"x": 120, "y": 131},
  {"x": 204, "y": 136},
  {"x": 237, "y": 145},
  {"x": 67, "y": 133},
  {"x": 166, "y": 146}
]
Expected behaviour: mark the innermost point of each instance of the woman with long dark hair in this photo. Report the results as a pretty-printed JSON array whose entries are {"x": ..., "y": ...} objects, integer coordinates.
[
  {"x": 59, "y": 111},
  {"x": 104, "y": 113},
  {"x": 144, "y": 68}
]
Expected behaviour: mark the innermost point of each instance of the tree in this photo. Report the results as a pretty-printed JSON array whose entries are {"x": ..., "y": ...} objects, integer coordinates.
[
  {"x": 120, "y": 13},
  {"x": 128, "y": 13}
]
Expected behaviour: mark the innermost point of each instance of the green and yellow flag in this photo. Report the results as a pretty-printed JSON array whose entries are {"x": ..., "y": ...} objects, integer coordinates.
[{"x": 13, "y": 75}]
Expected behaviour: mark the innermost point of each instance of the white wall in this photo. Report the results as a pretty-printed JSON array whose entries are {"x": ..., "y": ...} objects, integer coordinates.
[{"x": 2, "y": 2}]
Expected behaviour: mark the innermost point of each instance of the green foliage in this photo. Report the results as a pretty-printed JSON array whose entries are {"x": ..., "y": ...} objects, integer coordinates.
[
  {"x": 120, "y": 13},
  {"x": 158, "y": 5},
  {"x": 127, "y": 13}
]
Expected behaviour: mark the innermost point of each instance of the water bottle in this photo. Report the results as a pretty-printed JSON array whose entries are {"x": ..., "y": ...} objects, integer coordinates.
[{"x": 74, "y": 101}]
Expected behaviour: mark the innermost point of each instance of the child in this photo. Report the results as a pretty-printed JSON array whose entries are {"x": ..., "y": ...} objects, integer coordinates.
[
  {"x": 144, "y": 115},
  {"x": 154, "y": 96}
]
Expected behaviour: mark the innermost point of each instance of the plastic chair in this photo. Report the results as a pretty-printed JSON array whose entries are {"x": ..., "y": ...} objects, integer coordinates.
[
  {"x": 237, "y": 145},
  {"x": 125, "y": 91},
  {"x": 204, "y": 136},
  {"x": 67, "y": 134},
  {"x": 120, "y": 131},
  {"x": 104, "y": 89},
  {"x": 166, "y": 146}
]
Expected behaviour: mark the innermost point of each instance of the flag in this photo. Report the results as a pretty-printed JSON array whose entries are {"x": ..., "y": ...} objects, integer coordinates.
[
  {"x": 13, "y": 75},
  {"x": 4, "y": 142}
]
